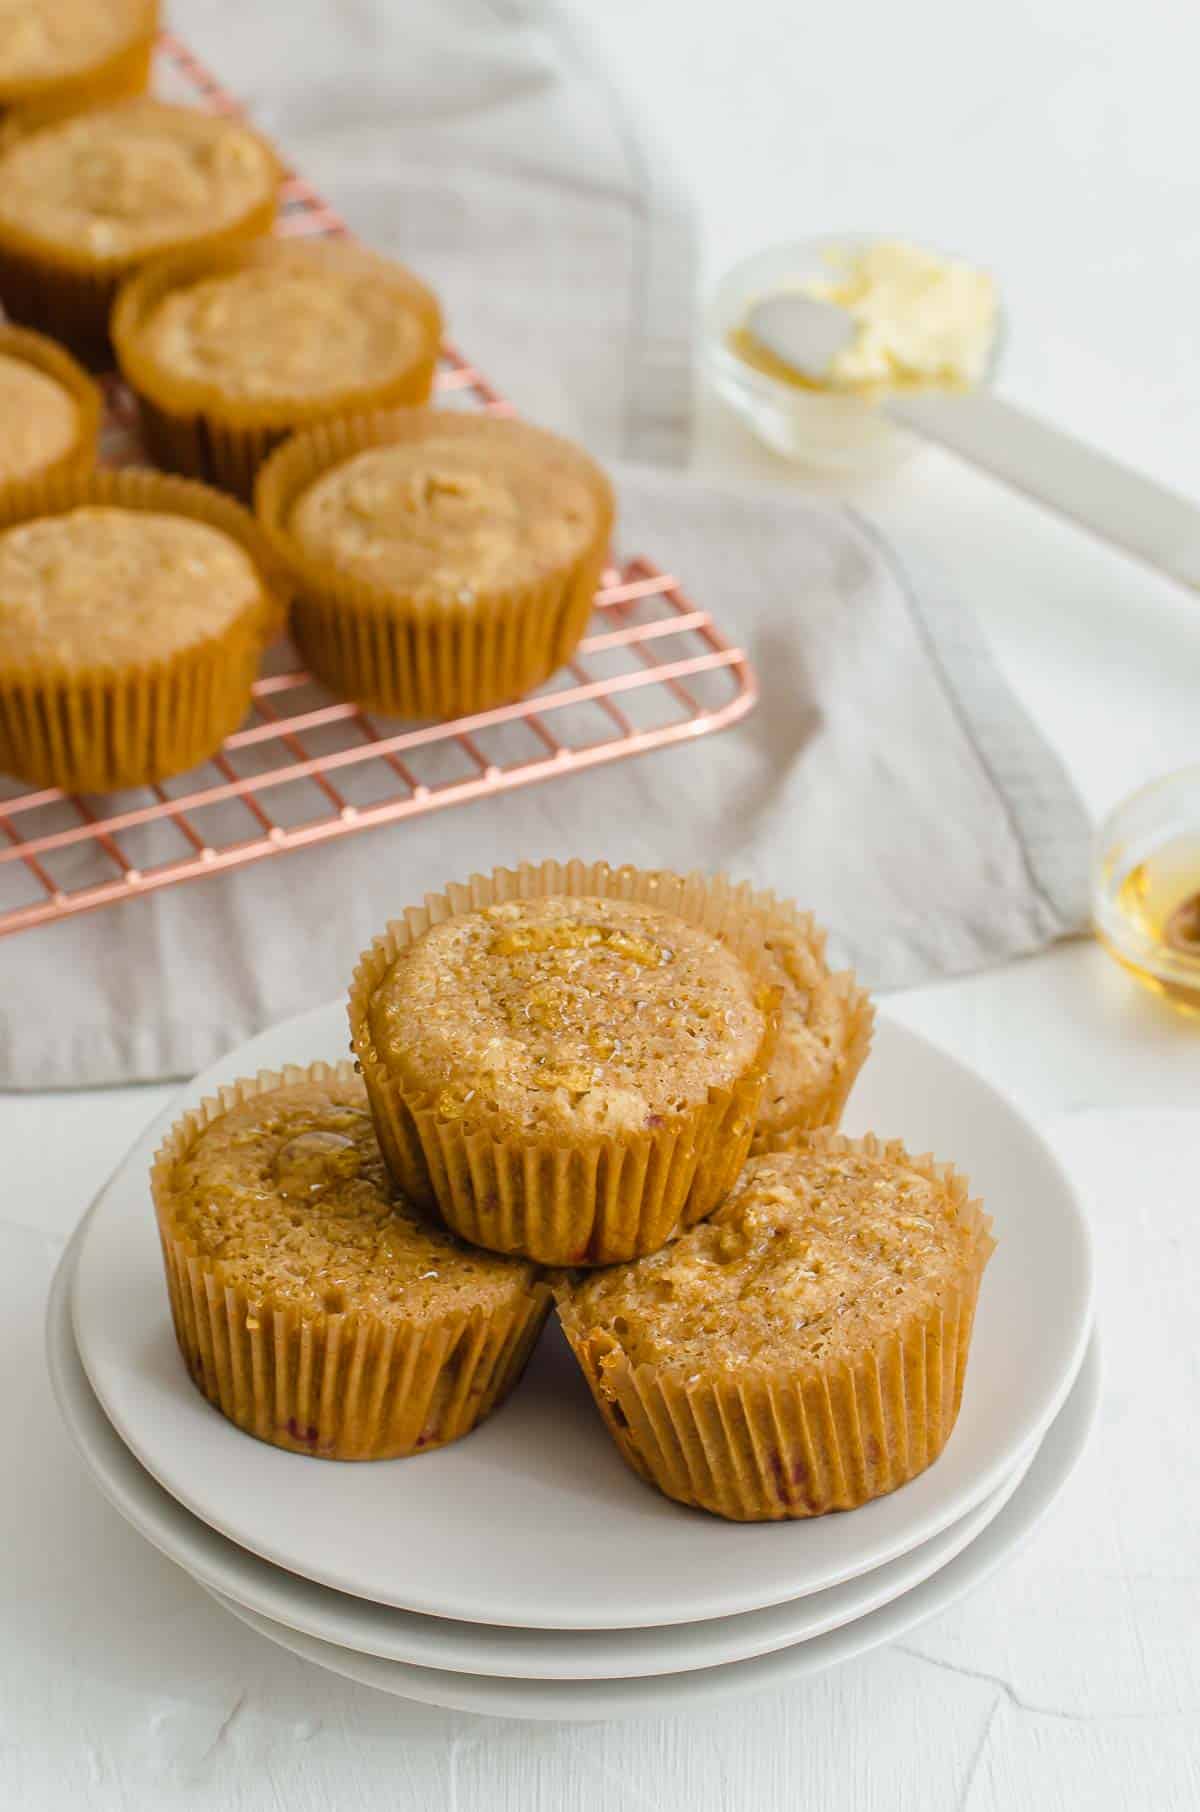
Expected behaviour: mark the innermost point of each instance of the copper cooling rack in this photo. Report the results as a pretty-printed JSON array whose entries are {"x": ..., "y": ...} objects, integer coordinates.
[{"x": 307, "y": 767}]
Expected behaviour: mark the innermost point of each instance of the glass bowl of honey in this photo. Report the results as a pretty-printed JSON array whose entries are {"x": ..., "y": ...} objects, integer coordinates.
[{"x": 1146, "y": 886}]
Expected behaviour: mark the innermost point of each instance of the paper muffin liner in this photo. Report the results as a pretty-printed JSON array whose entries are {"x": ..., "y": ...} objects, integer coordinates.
[
  {"x": 597, "y": 1200},
  {"x": 416, "y": 657},
  {"x": 337, "y": 1386},
  {"x": 46, "y": 356},
  {"x": 192, "y": 426},
  {"x": 824, "y": 1105},
  {"x": 68, "y": 290},
  {"x": 124, "y": 71},
  {"x": 98, "y": 729},
  {"x": 761, "y": 1445}
]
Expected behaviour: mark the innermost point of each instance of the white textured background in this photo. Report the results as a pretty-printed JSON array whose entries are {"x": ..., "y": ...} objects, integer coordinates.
[
  {"x": 1071, "y": 1679},
  {"x": 1058, "y": 143}
]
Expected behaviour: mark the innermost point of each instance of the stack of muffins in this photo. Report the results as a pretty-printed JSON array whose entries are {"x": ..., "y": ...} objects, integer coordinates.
[
  {"x": 614, "y": 1090},
  {"x": 610, "y": 1090},
  {"x": 428, "y": 563}
]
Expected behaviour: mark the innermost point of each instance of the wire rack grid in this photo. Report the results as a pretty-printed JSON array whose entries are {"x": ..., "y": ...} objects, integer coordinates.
[{"x": 307, "y": 767}]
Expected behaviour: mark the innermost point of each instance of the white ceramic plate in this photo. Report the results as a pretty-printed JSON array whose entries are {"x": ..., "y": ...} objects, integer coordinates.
[
  {"x": 600, "y": 1699},
  {"x": 534, "y": 1520},
  {"x": 436, "y": 1642}
]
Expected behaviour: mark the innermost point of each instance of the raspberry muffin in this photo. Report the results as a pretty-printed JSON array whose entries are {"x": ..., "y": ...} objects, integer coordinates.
[
  {"x": 49, "y": 411},
  {"x": 566, "y": 1060},
  {"x": 85, "y": 201},
  {"x": 444, "y": 562},
  {"x": 57, "y": 56},
  {"x": 313, "y": 1306},
  {"x": 825, "y": 1028},
  {"x": 803, "y": 1350},
  {"x": 133, "y": 610},
  {"x": 230, "y": 352}
]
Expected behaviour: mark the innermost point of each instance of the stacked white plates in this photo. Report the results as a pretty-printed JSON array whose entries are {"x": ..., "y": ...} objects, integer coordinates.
[{"x": 524, "y": 1571}]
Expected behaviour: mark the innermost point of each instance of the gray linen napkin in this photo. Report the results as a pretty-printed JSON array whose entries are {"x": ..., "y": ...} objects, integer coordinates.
[
  {"x": 479, "y": 141},
  {"x": 887, "y": 778}
]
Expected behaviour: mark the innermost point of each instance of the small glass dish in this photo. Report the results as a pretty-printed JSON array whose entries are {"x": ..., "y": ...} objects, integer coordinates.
[
  {"x": 820, "y": 428},
  {"x": 1146, "y": 886}
]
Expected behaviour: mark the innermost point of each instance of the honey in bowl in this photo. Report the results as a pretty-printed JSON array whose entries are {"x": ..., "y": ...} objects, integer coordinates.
[{"x": 1146, "y": 887}]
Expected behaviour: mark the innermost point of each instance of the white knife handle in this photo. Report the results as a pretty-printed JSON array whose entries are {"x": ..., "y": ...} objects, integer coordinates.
[{"x": 1121, "y": 506}]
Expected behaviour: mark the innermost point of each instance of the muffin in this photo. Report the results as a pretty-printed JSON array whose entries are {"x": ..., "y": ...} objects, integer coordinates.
[
  {"x": 133, "y": 609},
  {"x": 444, "y": 562},
  {"x": 566, "y": 1059},
  {"x": 49, "y": 411},
  {"x": 228, "y": 352},
  {"x": 314, "y": 1307},
  {"x": 824, "y": 1031},
  {"x": 802, "y": 1351},
  {"x": 87, "y": 200},
  {"x": 59, "y": 55}
]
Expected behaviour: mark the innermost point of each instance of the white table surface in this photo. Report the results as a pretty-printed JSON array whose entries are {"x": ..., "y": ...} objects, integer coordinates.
[{"x": 1056, "y": 143}]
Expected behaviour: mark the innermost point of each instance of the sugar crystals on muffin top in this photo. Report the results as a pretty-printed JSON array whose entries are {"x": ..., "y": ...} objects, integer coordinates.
[{"x": 567, "y": 1013}]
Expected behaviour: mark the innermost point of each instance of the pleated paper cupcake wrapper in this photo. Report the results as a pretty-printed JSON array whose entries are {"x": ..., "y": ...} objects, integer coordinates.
[
  {"x": 762, "y": 1446},
  {"x": 420, "y": 657},
  {"x": 342, "y": 1387},
  {"x": 99, "y": 731},
  {"x": 125, "y": 71},
  {"x": 101, "y": 728},
  {"x": 822, "y": 1105},
  {"x": 46, "y": 356},
  {"x": 603, "y": 1199},
  {"x": 190, "y": 426},
  {"x": 337, "y": 1386},
  {"x": 63, "y": 291},
  {"x": 439, "y": 662}
]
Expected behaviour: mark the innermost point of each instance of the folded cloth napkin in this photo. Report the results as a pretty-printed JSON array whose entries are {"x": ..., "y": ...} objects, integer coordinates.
[
  {"x": 887, "y": 778},
  {"x": 481, "y": 142}
]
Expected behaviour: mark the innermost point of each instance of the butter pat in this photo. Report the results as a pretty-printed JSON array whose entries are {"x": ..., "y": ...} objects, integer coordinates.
[{"x": 921, "y": 321}]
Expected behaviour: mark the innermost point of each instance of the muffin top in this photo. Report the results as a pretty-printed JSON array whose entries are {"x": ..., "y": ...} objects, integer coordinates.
[
  {"x": 300, "y": 323},
  {"x": 814, "y": 1256},
  {"x": 289, "y": 1192},
  {"x": 127, "y": 180},
  {"x": 812, "y": 1030},
  {"x": 105, "y": 585},
  {"x": 449, "y": 514},
  {"x": 566, "y": 1017},
  {"x": 42, "y": 39},
  {"x": 39, "y": 420}
]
